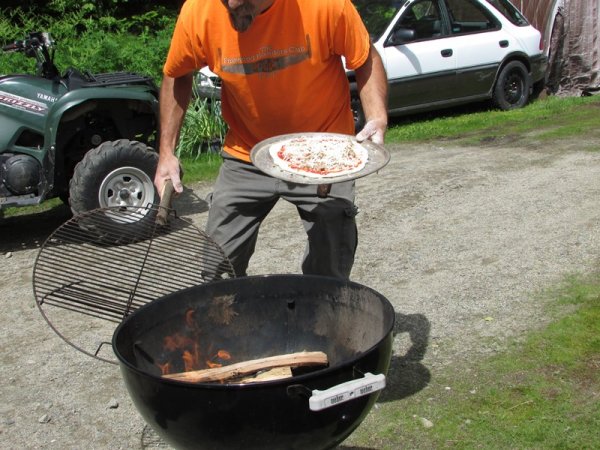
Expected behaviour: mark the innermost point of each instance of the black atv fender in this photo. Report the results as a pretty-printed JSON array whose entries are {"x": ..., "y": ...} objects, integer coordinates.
[
  {"x": 79, "y": 102},
  {"x": 65, "y": 107}
]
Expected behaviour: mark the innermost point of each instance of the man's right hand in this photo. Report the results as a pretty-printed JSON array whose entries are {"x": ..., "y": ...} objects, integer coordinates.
[{"x": 168, "y": 169}]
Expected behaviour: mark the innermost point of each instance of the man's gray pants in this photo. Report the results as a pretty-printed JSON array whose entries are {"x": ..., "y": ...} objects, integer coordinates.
[{"x": 242, "y": 198}]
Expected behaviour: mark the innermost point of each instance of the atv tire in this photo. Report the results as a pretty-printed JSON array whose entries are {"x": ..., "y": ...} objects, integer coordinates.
[{"x": 117, "y": 176}]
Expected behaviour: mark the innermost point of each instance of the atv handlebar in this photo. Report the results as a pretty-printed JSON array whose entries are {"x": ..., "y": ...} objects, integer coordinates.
[
  {"x": 34, "y": 41},
  {"x": 37, "y": 45},
  {"x": 15, "y": 46}
]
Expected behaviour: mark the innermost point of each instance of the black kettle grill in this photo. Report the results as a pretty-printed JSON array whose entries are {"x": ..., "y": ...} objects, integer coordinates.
[{"x": 95, "y": 266}]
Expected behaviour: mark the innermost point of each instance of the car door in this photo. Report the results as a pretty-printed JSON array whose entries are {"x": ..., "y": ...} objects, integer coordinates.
[
  {"x": 420, "y": 65},
  {"x": 479, "y": 44}
]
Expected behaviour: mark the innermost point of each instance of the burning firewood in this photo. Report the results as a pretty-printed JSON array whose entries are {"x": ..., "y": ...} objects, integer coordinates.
[
  {"x": 238, "y": 370},
  {"x": 277, "y": 373}
]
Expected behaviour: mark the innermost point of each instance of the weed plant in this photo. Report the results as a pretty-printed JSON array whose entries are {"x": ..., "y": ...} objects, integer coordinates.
[{"x": 203, "y": 129}]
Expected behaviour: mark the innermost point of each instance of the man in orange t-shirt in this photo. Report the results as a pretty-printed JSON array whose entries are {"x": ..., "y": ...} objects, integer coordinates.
[{"x": 281, "y": 67}]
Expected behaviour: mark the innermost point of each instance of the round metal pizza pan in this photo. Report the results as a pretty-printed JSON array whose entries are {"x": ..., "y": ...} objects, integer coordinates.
[{"x": 261, "y": 158}]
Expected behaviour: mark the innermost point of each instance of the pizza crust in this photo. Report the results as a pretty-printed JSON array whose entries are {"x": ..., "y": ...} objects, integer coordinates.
[{"x": 319, "y": 157}]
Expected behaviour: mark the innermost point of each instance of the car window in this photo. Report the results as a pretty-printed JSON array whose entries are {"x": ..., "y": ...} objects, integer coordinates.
[
  {"x": 510, "y": 12},
  {"x": 377, "y": 15},
  {"x": 424, "y": 18},
  {"x": 467, "y": 16}
]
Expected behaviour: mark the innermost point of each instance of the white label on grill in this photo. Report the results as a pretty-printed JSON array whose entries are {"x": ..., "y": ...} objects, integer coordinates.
[{"x": 346, "y": 391}]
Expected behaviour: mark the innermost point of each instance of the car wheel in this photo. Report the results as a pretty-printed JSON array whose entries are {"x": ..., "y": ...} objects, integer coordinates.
[
  {"x": 357, "y": 113},
  {"x": 116, "y": 175},
  {"x": 512, "y": 86}
]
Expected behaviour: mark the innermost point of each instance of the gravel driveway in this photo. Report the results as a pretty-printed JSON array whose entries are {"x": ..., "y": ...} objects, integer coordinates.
[{"x": 460, "y": 239}]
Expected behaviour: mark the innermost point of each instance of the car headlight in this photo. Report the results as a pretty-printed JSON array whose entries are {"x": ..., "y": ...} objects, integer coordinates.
[{"x": 204, "y": 80}]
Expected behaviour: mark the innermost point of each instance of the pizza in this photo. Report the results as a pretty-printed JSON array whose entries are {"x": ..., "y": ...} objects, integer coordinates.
[{"x": 319, "y": 156}]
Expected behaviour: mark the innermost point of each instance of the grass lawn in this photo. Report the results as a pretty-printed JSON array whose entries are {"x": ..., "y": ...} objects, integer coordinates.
[
  {"x": 543, "y": 120},
  {"x": 544, "y": 393}
]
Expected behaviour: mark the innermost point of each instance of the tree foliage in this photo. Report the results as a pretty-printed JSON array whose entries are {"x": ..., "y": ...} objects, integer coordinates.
[{"x": 98, "y": 36}]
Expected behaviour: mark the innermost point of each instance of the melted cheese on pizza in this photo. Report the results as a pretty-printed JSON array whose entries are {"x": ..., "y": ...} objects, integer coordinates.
[{"x": 320, "y": 156}]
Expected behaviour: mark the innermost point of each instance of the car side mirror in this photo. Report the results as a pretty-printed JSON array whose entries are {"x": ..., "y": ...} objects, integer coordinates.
[{"x": 400, "y": 36}]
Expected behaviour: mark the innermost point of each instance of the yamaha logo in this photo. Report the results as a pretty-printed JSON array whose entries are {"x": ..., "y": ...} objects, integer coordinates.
[{"x": 46, "y": 98}]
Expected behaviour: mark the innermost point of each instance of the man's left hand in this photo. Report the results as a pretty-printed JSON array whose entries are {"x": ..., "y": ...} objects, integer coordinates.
[{"x": 374, "y": 130}]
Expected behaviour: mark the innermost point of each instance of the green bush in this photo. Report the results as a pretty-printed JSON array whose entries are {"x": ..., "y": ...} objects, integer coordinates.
[{"x": 89, "y": 42}]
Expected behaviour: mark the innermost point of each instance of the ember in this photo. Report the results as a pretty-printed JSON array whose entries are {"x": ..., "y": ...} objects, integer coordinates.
[{"x": 183, "y": 351}]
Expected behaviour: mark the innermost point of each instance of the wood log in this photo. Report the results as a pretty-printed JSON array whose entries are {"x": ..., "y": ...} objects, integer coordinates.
[
  {"x": 277, "y": 373},
  {"x": 301, "y": 359}
]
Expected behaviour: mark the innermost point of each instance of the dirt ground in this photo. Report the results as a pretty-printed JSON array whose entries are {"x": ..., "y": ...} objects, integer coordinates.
[{"x": 461, "y": 240}]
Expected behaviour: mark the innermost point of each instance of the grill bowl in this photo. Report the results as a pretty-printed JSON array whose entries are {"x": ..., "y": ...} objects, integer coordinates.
[{"x": 255, "y": 317}]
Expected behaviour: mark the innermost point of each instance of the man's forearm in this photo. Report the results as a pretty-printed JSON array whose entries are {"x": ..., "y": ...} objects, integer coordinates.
[
  {"x": 174, "y": 99},
  {"x": 371, "y": 81}
]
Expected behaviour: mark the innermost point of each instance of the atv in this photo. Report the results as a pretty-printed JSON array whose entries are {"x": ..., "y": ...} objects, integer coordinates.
[{"x": 85, "y": 138}]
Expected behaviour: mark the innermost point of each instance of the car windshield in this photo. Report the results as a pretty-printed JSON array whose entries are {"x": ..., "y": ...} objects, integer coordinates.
[
  {"x": 509, "y": 11},
  {"x": 377, "y": 14}
]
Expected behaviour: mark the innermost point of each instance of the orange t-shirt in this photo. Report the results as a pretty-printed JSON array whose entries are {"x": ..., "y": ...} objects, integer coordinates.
[{"x": 283, "y": 75}]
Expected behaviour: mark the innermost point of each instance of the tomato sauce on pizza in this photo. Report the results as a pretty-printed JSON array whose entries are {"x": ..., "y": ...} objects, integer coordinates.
[{"x": 320, "y": 156}]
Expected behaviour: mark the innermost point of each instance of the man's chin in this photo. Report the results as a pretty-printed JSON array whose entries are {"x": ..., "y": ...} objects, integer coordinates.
[{"x": 241, "y": 24}]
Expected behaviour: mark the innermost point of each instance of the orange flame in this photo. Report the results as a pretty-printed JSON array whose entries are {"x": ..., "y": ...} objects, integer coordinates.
[
  {"x": 189, "y": 350},
  {"x": 164, "y": 368},
  {"x": 213, "y": 365},
  {"x": 223, "y": 354},
  {"x": 176, "y": 342}
]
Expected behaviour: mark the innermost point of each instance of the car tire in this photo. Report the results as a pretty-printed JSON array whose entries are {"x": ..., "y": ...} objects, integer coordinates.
[
  {"x": 119, "y": 176},
  {"x": 512, "y": 87},
  {"x": 357, "y": 113}
]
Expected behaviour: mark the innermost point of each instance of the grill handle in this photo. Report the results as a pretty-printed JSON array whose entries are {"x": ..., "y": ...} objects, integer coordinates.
[
  {"x": 347, "y": 391},
  {"x": 165, "y": 203}
]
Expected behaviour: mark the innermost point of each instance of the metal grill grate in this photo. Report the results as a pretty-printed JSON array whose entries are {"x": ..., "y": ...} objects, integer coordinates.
[{"x": 108, "y": 263}]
